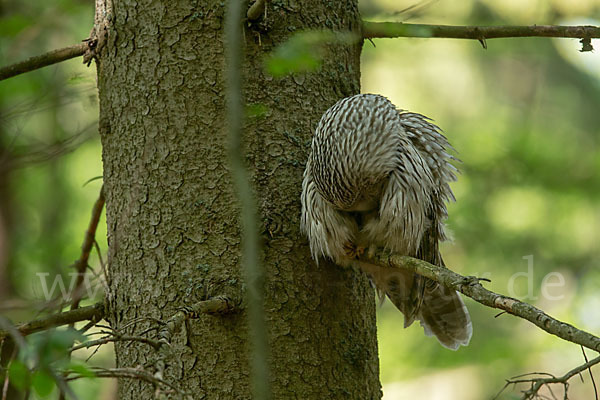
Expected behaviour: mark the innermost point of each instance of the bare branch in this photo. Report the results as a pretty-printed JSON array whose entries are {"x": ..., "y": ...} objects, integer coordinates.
[
  {"x": 43, "y": 60},
  {"x": 470, "y": 286},
  {"x": 134, "y": 373},
  {"x": 118, "y": 338},
  {"x": 538, "y": 383},
  {"x": 94, "y": 312},
  {"x": 591, "y": 375},
  {"x": 372, "y": 30},
  {"x": 7, "y": 376},
  {"x": 88, "y": 243}
]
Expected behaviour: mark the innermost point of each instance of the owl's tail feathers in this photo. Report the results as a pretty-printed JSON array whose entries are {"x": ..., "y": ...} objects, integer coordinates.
[
  {"x": 440, "y": 310},
  {"x": 444, "y": 315}
]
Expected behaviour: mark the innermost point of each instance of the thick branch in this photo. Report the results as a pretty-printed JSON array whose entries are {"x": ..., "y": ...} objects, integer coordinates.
[
  {"x": 37, "y": 62},
  {"x": 373, "y": 30},
  {"x": 471, "y": 287},
  {"x": 94, "y": 312}
]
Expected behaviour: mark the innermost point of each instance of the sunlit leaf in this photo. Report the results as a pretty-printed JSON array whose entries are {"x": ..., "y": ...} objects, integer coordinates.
[{"x": 53, "y": 346}]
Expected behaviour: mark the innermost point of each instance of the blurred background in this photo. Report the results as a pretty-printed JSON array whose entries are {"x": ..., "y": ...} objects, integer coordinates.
[{"x": 523, "y": 116}]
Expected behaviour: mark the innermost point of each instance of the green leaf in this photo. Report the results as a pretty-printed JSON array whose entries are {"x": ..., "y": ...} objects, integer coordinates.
[
  {"x": 304, "y": 51},
  {"x": 42, "y": 383},
  {"x": 19, "y": 374},
  {"x": 52, "y": 346},
  {"x": 82, "y": 370}
]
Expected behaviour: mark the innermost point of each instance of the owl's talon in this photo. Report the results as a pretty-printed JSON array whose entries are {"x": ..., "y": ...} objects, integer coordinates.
[{"x": 353, "y": 251}]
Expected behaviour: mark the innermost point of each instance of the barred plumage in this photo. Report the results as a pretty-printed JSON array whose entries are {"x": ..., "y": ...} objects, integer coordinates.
[{"x": 378, "y": 177}]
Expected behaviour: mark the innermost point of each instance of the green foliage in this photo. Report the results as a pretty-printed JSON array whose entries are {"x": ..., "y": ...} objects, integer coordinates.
[
  {"x": 523, "y": 117},
  {"x": 19, "y": 374},
  {"x": 304, "y": 51},
  {"x": 42, "y": 383},
  {"x": 49, "y": 348},
  {"x": 81, "y": 369},
  {"x": 45, "y": 357}
]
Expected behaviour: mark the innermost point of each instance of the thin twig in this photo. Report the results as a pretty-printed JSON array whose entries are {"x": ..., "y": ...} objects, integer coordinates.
[
  {"x": 591, "y": 375},
  {"x": 538, "y": 383},
  {"x": 88, "y": 243},
  {"x": 123, "y": 338},
  {"x": 133, "y": 373},
  {"x": 7, "y": 376},
  {"x": 43, "y": 60},
  {"x": 94, "y": 312},
  {"x": 87, "y": 327},
  {"x": 102, "y": 265},
  {"x": 373, "y": 30},
  {"x": 470, "y": 286}
]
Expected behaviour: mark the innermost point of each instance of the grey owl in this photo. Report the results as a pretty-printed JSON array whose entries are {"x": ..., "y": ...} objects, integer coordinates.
[{"x": 377, "y": 177}]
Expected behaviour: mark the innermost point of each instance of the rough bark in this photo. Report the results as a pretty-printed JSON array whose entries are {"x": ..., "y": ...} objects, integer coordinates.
[{"x": 172, "y": 217}]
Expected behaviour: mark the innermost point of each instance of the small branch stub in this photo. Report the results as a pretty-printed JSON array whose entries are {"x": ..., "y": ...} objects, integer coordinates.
[
  {"x": 256, "y": 10},
  {"x": 586, "y": 45}
]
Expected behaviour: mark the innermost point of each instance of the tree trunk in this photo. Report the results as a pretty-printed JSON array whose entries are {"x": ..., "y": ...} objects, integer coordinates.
[{"x": 172, "y": 216}]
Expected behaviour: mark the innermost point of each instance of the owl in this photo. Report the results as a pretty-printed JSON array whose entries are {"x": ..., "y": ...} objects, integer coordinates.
[{"x": 377, "y": 178}]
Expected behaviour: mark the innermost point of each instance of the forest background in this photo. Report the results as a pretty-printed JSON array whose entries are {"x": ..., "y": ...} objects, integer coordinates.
[{"x": 522, "y": 114}]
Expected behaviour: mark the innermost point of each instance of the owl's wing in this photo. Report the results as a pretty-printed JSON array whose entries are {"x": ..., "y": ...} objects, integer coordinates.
[
  {"x": 434, "y": 148},
  {"x": 327, "y": 229},
  {"x": 400, "y": 227},
  {"x": 440, "y": 310}
]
